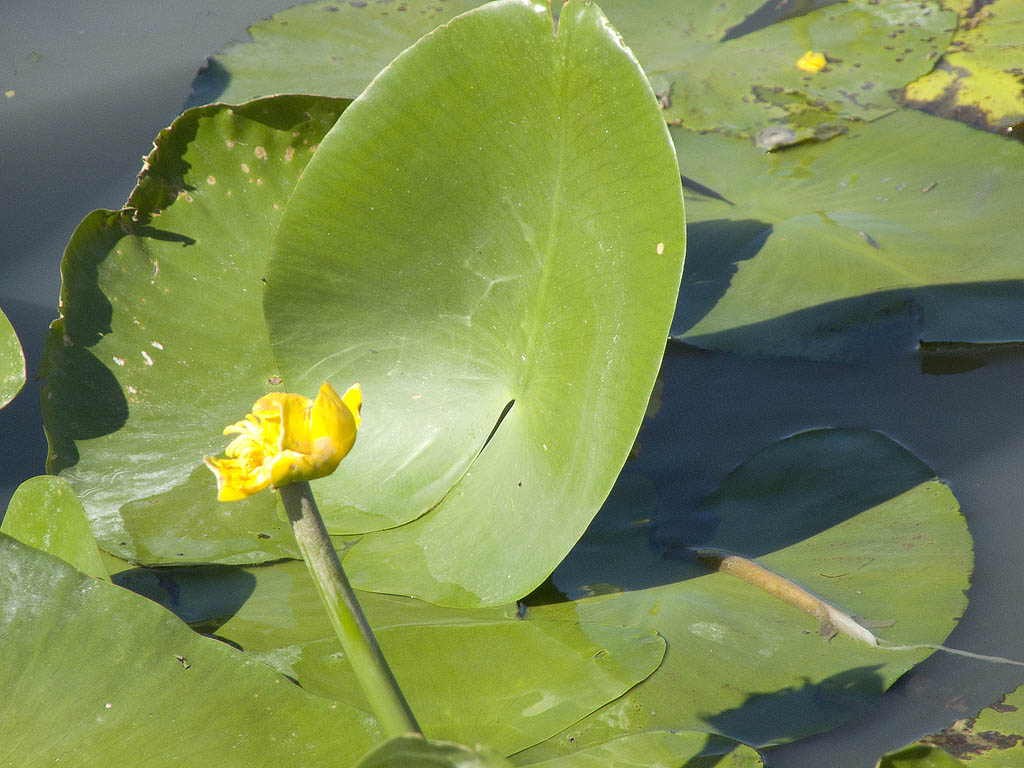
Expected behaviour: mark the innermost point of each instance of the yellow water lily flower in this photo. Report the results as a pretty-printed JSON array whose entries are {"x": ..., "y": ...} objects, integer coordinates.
[
  {"x": 287, "y": 438},
  {"x": 811, "y": 62}
]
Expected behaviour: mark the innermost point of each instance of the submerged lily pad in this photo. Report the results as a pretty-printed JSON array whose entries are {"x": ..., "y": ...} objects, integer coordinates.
[
  {"x": 497, "y": 266},
  {"x": 836, "y": 511},
  {"x": 128, "y": 673},
  {"x": 162, "y": 342},
  {"x": 12, "y": 362},
  {"x": 980, "y": 79},
  {"x": 826, "y": 250},
  {"x": 731, "y": 66}
]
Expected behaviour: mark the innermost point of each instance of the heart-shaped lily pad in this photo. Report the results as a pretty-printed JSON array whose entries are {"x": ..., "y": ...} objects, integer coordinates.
[
  {"x": 497, "y": 266},
  {"x": 162, "y": 342}
]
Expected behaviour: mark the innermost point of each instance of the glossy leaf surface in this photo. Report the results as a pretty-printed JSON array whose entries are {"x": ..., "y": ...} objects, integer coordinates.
[
  {"x": 416, "y": 752},
  {"x": 126, "y": 670},
  {"x": 480, "y": 675},
  {"x": 45, "y": 513},
  {"x": 659, "y": 748},
  {"x": 497, "y": 267}
]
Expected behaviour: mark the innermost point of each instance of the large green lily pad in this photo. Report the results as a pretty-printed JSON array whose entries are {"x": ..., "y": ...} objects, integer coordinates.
[
  {"x": 45, "y": 513},
  {"x": 980, "y": 79},
  {"x": 328, "y": 48},
  {"x": 828, "y": 249},
  {"x": 162, "y": 341},
  {"x": 837, "y": 511},
  {"x": 731, "y": 66},
  {"x": 493, "y": 677},
  {"x": 497, "y": 266},
  {"x": 96, "y": 675},
  {"x": 12, "y": 362}
]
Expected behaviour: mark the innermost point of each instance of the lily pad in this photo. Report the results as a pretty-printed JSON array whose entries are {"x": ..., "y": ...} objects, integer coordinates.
[
  {"x": 328, "y": 48},
  {"x": 980, "y": 79},
  {"x": 731, "y": 66},
  {"x": 126, "y": 670},
  {"x": 162, "y": 341},
  {"x": 12, "y": 362},
  {"x": 746, "y": 665},
  {"x": 45, "y": 513},
  {"x": 494, "y": 678},
  {"x": 497, "y": 266},
  {"x": 828, "y": 250}
]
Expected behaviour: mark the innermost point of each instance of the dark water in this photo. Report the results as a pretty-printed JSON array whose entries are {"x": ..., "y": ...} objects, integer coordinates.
[{"x": 95, "y": 81}]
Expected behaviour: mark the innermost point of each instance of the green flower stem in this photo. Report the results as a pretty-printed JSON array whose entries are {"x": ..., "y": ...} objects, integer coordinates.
[{"x": 361, "y": 648}]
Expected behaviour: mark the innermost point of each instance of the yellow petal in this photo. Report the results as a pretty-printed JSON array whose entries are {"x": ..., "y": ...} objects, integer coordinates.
[
  {"x": 236, "y": 479},
  {"x": 287, "y": 438},
  {"x": 811, "y": 62}
]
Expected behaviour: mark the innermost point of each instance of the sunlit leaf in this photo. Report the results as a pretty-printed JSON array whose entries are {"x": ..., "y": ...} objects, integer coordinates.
[
  {"x": 492, "y": 677},
  {"x": 162, "y": 341},
  {"x": 691, "y": 749},
  {"x": 730, "y": 66},
  {"x": 979, "y": 79},
  {"x": 96, "y": 675},
  {"x": 496, "y": 266},
  {"x": 12, "y": 362},
  {"x": 416, "y": 752},
  {"x": 45, "y": 513}
]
